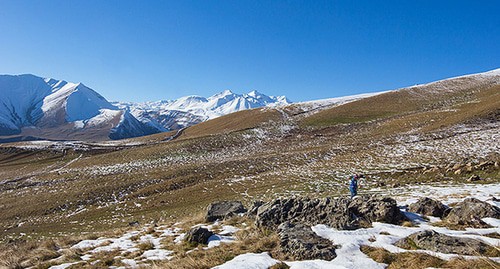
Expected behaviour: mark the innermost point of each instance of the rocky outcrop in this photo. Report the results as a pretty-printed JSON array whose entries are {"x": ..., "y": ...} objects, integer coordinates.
[
  {"x": 299, "y": 242},
  {"x": 428, "y": 207},
  {"x": 340, "y": 213},
  {"x": 255, "y": 207},
  {"x": 434, "y": 241},
  {"x": 224, "y": 209},
  {"x": 198, "y": 235},
  {"x": 471, "y": 211}
]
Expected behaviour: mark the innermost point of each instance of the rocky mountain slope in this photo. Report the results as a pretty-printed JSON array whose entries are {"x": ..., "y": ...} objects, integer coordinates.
[{"x": 56, "y": 109}]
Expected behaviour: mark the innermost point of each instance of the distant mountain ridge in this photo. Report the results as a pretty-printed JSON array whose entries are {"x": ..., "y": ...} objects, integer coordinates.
[
  {"x": 190, "y": 110},
  {"x": 35, "y": 107},
  {"x": 56, "y": 109}
]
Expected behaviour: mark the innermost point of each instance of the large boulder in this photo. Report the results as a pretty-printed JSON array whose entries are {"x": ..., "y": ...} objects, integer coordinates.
[
  {"x": 299, "y": 242},
  {"x": 198, "y": 235},
  {"x": 224, "y": 209},
  {"x": 471, "y": 211},
  {"x": 434, "y": 241},
  {"x": 369, "y": 209},
  {"x": 340, "y": 213},
  {"x": 428, "y": 207}
]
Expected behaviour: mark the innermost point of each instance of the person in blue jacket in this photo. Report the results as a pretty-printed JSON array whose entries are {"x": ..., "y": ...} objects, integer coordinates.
[{"x": 353, "y": 184}]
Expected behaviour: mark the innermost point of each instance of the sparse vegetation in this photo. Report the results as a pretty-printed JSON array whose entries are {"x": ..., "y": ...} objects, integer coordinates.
[
  {"x": 417, "y": 260},
  {"x": 147, "y": 245},
  {"x": 399, "y": 140}
]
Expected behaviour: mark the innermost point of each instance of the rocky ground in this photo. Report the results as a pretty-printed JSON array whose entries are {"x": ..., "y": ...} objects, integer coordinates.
[{"x": 313, "y": 233}]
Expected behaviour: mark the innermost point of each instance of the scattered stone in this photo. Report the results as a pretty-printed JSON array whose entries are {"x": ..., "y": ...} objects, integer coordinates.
[
  {"x": 474, "y": 178},
  {"x": 341, "y": 213},
  {"x": 471, "y": 211},
  {"x": 433, "y": 169},
  {"x": 458, "y": 172},
  {"x": 434, "y": 241},
  {"x": 198, "y": 235},
  {"x": 457, "y": 166},
  {"x": 299, "y": 242},
  {"x": 395, "y": 185},
  {"x": 483, "y": 165},
  {"x": 223, "y": 210},
  {"x": 428, "y": 207},
  {"x": 133, "y": 223}
]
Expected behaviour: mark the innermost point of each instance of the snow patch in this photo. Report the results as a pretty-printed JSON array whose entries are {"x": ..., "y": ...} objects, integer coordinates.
[{"x": 249, "y": 261}]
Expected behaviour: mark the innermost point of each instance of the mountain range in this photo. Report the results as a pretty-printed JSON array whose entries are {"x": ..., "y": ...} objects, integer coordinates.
[
  {"x": 32, "y": 107},
  {"x": 167, "y": 115}
]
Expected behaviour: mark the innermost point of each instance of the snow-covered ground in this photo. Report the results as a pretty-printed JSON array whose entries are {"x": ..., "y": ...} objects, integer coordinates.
[
  {"x": 322, "y": 103},
  {"x": 131, "y": 242},
  {"x": 381, "y": 235}
]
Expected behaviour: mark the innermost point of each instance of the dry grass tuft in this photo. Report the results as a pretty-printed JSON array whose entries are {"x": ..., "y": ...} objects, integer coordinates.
[
  {"x": 408, "y": 260},
  {"x": 459, "y": 227},
  {"x": 280, "y": 265},
  {"x": 147, "y": 245},
  {"x": 252, "y": 239},
  {"x": 482, "y": 263},
  {"x": 407, "y": 224},
  {"x": 418, "y": 260},
  {"x": 493, "y": 235},
  {"x": 38, "y": 254}
]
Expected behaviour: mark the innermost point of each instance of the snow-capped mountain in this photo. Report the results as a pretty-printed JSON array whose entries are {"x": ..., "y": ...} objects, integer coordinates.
[
  {"x": 35, "y": 107},
  {"x": 190, "y": 110},
  {"x": 56, "y": 109}
]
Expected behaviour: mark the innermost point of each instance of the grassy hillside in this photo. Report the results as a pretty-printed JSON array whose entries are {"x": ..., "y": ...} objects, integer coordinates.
[
  {"x": 463, "y": 98},
  {"x": 242, "y": 120},
  {"x": 420, "y": 134}
]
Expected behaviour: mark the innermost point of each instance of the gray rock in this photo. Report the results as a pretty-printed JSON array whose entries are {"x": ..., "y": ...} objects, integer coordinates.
[
  {"x": 340, "y": 213},
  {"x": 433, "y": 241},
  {"x": 299, "y": 242},
  {"x": 471, "y": 211},
  {"x": 224, "y": 209},
  {"x": 370, "y": 209},
  {"x": 134, "y": 223},
  {"x": 198, "y": 235},
  {"x": 474, "y": 178},
  {"x": 428, "y": 207},
  {"x": 255, "y": 207}
]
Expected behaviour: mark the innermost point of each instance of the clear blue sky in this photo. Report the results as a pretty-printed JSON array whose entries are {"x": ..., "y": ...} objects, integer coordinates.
[{"x": 150, "y": 50}]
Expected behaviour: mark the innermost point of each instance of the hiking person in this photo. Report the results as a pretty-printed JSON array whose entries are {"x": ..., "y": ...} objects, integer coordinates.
[{"x": 353, "y": 184}]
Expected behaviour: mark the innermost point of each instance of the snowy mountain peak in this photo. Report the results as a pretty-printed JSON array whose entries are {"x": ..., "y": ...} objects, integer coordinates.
[
  {"x": 59, "y": 106},
  {"x": 189, "y": 110},
  {"x": 254, "y": 93},
  {"x": 226, "y": 92}
]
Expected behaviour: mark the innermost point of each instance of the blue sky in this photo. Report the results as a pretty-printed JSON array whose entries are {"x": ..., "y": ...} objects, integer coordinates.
[{"x": 150, "y": 50}]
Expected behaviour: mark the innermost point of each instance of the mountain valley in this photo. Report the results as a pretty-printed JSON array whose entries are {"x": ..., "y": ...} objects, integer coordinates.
[{"x": 130, "y": 202}]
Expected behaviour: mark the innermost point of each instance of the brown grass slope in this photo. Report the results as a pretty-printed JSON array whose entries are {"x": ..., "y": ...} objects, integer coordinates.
[
  {"x": 238, "y": 121},
  {"x": 433, "y": 105},
  {"x": 226, "y": 158}
]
